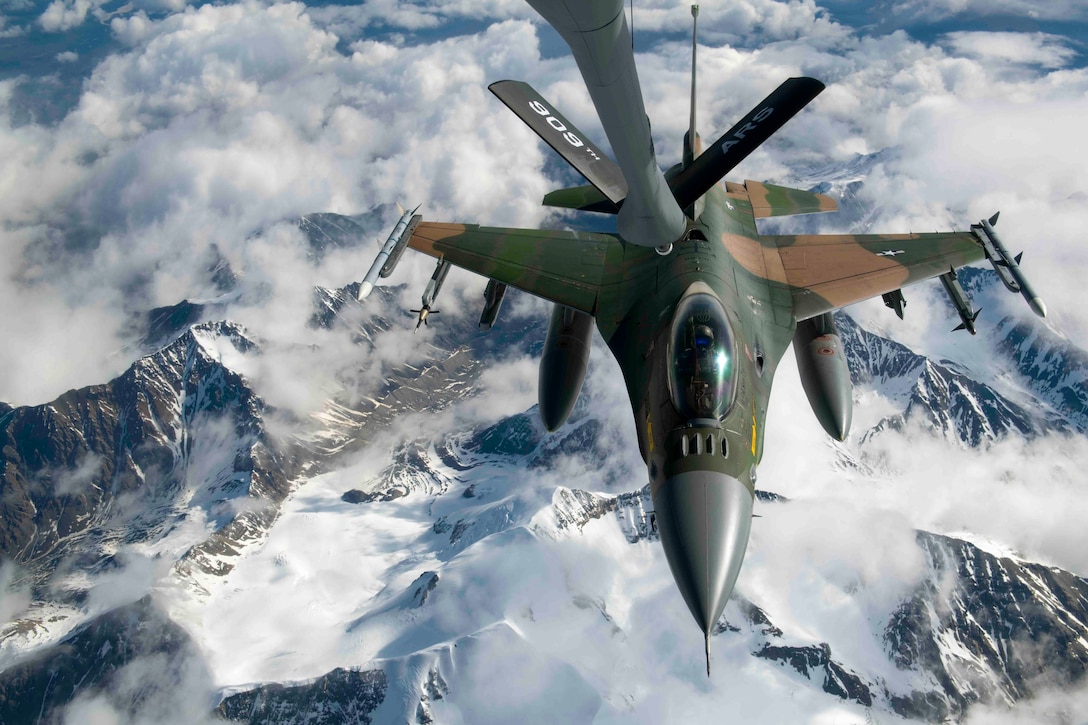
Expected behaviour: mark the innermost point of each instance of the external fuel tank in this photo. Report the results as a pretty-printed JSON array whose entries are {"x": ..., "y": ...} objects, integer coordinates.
[
  {"x": 563, "y": 364},
  {"x": 824, "y": 373}
]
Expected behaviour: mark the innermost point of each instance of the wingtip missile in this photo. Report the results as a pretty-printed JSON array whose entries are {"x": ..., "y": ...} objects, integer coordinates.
[
  {"x": 391, "y": 251},
  {"x": 1006, "y": 265}
]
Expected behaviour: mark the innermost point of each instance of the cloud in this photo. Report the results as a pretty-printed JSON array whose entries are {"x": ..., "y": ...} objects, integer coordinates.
[
  {"x": 1048, "y": 51},
  {"x": 1049, "y": 705},
  {"x": 61, "y": 15},
  {"x": 1021, "y": 494},
  {"x": 74, "y": 480},
  {"x": 219, "y": 123},
  {"x": 14, "y": 597},
  {"x": 171, "y": 686},
  {"x": 353, "y": 20},
  {"x": 932, "y": 10}
]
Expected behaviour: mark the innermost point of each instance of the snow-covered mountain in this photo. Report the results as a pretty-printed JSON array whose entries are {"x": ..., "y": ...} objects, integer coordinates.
[{"x": 177, "y": 549}]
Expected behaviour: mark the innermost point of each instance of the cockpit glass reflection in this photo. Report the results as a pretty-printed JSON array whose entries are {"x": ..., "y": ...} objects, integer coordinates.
[{"x": 702, "y": 371}]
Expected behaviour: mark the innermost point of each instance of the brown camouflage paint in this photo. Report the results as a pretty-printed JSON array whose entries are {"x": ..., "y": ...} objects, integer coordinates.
[{"x": 770, "y": 200}]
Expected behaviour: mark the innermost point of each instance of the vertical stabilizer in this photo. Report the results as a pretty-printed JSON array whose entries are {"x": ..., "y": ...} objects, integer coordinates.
[{"x": 600, "y": 42}]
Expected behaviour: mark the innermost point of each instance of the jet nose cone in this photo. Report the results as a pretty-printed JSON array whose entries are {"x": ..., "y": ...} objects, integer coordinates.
[{"x": 704, "y": 518}]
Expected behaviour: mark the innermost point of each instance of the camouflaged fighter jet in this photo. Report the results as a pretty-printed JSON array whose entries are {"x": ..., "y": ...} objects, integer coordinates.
[{"x": 696, "y": 305}]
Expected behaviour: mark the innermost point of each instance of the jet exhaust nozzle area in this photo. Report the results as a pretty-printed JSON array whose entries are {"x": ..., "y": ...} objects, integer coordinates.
[{"x": 704, "y": 518}]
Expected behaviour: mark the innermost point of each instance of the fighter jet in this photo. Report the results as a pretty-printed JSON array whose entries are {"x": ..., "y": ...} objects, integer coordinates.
[{"x": 695, "y": 304}]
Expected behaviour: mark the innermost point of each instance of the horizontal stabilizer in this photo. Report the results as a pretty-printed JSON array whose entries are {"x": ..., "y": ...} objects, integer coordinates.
[
  {"x": 723, "y": 155},
  {"x": 582, "y": 198},
  {"x": 772, "y": 200},
  {"x": 559, "y": 133}
]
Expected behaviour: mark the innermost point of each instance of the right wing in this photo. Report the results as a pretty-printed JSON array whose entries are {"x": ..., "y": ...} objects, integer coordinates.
[
  {"x": 772, "y": 200},
  {"x": 828, "y": 271},
  {"x": 560, "y": 266}
]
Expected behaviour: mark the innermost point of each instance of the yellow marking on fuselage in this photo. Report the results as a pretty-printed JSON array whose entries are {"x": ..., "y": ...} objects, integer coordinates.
[
  {"x": 649, "y": 433},
  {"x": 753, "y": 434}
]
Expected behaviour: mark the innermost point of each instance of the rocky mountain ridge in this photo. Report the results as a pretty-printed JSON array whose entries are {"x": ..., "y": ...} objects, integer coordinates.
[{"x": 174, "y": 459}]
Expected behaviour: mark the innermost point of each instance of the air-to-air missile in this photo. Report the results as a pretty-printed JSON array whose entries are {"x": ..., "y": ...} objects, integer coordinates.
[
  {"x": 392, "y": 250},
  {"x": 960, "y": 301},
  {"x": 431, "y": 292},
  {"x": 1006, "y": 266},
  {"x": 492, "y": 302}
]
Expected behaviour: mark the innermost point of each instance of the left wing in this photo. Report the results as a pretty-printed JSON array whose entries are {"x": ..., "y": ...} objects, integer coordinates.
[
  {"x": 560, "y": 266},
  {"x": 828, "y": 271}
]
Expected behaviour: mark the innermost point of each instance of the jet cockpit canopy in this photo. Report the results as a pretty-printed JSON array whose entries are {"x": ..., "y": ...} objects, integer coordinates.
[{"x": 702, "y": 368}]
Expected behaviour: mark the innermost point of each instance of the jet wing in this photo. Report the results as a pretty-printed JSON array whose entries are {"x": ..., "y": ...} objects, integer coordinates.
[
  {"x": 827, "y": 271},
  {"x": 561, "y": 266}
]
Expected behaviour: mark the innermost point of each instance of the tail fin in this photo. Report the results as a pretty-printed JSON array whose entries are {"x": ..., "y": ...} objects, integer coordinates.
[{"x": 736, "y": 143}]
